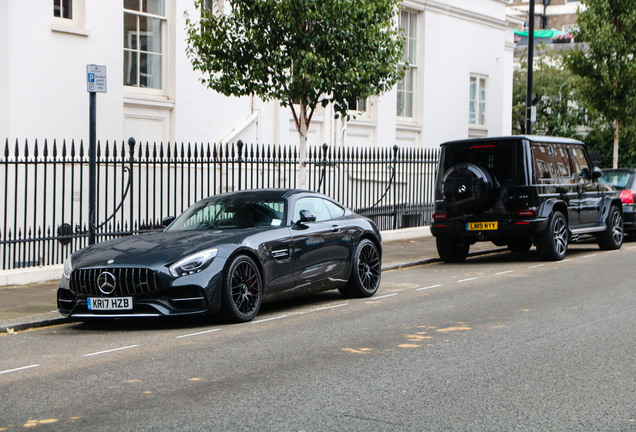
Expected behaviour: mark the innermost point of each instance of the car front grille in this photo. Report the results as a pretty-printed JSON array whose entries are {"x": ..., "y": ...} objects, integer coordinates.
[{"x": 128, "y": 281}]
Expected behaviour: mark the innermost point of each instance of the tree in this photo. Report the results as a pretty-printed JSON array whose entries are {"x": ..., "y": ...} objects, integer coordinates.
[
  {"x": 605, "y": 64},
  {"x": 303, "y": 53},
  {"x": 554, "y": 95}
]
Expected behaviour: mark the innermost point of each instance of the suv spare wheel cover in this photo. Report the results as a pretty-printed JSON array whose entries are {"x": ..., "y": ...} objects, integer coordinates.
[{"x": 467, "y": 188}]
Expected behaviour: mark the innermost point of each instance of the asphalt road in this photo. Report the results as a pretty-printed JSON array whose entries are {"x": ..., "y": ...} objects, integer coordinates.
[{"x": 501, "y": 342}]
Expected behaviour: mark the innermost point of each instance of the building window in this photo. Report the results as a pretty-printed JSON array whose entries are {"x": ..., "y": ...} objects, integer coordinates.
[
  {"x": 406, "y": 87},
  {"x": 144, "y": 28},
  {"x": 63, "y": 9},
  {"x": 357, "y": 105},
  {"x": 477, "y": 103}
]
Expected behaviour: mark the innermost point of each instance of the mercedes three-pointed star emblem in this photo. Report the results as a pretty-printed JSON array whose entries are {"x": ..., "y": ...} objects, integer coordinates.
[{"x": 106, "y": 282}]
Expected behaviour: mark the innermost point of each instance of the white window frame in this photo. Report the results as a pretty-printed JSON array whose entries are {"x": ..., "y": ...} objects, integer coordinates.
[
  {"x": 478, "y": 101},
  {"x": 63, "y": 9},
  {"x": 360, "y": 106},
  {"x": 159, "y": 91},
  {"x": 74, "y": 25},
  {"x": 409, "y": 63}
]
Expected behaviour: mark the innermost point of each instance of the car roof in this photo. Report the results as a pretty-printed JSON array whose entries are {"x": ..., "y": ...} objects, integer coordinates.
[
  {"x": 271, "y": 193},
  {"x": 533, "y": 138}
]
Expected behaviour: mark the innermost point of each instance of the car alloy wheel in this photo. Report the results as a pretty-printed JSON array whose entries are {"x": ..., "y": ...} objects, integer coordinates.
[
  {"x": 366, "y": 272},
  {"x": 369, "y": 267},
  {"x": 552, "y": 244},
  {"x": 242, "y": 290},
  {"x": 560, "y": 236},
  {"x": 612, "y": 237}
]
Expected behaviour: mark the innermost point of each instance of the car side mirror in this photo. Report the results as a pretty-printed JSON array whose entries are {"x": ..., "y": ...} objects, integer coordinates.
[
  {"x": 167, "y": 220},
  {"x": 307, "y": 216},
  {"x": 585, "y": 173},
  {"x": 597, "y": 173}
]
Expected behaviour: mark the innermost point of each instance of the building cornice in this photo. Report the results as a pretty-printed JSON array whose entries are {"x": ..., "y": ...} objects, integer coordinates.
[{"x": 466, "y": 15}]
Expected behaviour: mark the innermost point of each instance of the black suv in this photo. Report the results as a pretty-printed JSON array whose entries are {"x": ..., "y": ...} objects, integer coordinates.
[{"x": 518, "y": 190}]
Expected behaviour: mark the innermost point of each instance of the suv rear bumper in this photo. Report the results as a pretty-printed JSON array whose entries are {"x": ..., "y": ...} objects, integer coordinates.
[{"x": 508, "y": 228}]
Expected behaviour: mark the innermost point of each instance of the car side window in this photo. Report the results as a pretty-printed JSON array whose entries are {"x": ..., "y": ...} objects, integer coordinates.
[
  {"x": 334, "y": 209},
  {"x": 579, "y": 160},
  {"x": 315, "y": 205},
  {"x": 543, "y": 163},
  {"x": 562, "y": 164}
]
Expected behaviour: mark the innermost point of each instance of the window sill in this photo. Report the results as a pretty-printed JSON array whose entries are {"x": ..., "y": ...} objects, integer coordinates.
[
  {"x": 149, "y": 101},
  {"x": 69, "y": 29},
  {"x": 412, "y": 126},
  {"x": 476, "y": 131},
  {"x": 362, "y": 120}
]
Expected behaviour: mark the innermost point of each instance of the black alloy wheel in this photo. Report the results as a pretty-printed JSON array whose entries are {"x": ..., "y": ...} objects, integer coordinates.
[
  {"x": 366, "y": 271},
  {"x": 612, "y": 237},
  {"x": 242, "y": 290},
  {"x": 552, "y": 244}
]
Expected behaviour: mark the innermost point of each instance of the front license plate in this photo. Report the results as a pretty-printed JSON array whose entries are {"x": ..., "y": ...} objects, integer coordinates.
[
  {"x": 481, "y": 226},
  {"x": 115, "y": 303}
]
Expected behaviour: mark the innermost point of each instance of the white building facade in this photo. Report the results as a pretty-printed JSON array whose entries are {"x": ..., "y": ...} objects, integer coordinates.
[{"x": 458, "y": 84}]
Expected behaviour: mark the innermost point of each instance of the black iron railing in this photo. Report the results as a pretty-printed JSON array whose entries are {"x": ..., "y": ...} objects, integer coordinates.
[{"x": 45, "y": 206}]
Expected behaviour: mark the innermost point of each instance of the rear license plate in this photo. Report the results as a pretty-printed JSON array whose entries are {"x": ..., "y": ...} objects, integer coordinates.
[
  {"x": 482, "y": 226},
  {"x": 114, "y": 303}
]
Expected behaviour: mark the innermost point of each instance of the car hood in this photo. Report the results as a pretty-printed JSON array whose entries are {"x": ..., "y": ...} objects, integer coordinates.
[{"x": 153, "y": 249}]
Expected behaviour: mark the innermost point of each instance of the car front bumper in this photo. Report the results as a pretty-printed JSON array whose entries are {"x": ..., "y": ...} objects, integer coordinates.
[{"x": 195, "y": 294}]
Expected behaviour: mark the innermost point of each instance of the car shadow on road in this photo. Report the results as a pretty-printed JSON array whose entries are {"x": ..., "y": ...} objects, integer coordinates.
[{"x": 580, "y": 248}]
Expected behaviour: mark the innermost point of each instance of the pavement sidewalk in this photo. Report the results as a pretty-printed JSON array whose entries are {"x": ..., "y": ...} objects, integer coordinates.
[{"x": 28, "y": 306}]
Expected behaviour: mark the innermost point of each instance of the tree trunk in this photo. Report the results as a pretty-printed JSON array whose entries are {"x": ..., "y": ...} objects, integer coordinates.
[
  {"x": 301, "y": 180},
  {"x": 615, "y": 158}
]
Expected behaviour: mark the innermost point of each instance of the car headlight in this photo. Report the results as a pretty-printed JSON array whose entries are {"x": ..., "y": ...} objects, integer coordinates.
[
  {"x": 193, "y": 263},
  {"x": 68, "y": 267}
]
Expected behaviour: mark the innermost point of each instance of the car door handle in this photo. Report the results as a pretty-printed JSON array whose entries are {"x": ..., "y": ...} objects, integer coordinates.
[{"x": 335, "y": 228}]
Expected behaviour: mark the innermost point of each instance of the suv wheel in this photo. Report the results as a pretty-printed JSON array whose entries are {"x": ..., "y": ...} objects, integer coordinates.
[
  {"x": 552, "y": 244},
  {"x": 612, "y": 237},
  {"x": 452, "y": 250},
  {"x": 467, "y": 188}
]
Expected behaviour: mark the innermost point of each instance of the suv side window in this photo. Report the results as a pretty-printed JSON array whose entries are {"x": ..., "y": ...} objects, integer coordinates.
[
  {"x": 579, "y": 160},
  {"x": 543, "y": 164},
  {"x": 562, "y": 164}
]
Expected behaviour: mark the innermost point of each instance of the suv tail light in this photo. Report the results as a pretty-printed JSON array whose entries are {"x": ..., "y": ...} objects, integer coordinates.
[
  {"x": 627, "y": 196},
  {"x": 440, "y": 216},
  {"x": 526, "y": 212}
]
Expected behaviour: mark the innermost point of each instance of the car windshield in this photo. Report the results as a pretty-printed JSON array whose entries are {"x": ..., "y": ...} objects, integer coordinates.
[
  {"x": 618, "y": 179},
  {"x": 231, "y": 213}
]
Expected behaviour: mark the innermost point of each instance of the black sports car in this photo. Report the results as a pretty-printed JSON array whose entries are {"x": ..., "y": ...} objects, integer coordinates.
[{"x": 227, "y": 253}]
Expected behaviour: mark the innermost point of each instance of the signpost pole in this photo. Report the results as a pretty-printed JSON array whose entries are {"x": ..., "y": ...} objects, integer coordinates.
[
  {"x": 92, "y": 169},
  {"x": 95, "y": 83},
  {"x": 529, "y": 110}
]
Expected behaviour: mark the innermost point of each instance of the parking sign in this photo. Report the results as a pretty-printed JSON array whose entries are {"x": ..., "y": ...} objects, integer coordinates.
[{"x": 96, "y": 78}]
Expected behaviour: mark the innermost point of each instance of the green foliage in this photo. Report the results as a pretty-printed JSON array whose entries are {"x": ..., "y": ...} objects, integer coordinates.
[
  {"x": 605, "y": 63},
  {"x": 554, "y": 95},
  {"x": 599, "y": 140},
  {"x": 311, "y": 52}
]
